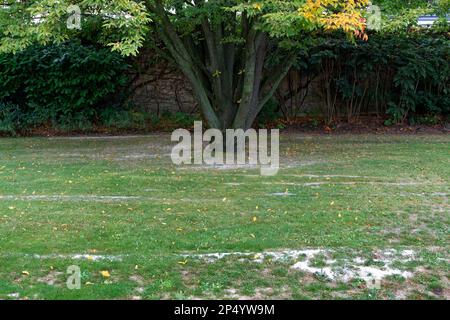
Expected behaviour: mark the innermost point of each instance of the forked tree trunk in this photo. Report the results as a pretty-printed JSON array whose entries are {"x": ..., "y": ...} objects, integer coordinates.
[{"x": 229, "y": 80}]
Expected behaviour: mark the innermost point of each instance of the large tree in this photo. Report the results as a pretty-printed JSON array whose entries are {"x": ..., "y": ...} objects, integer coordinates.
[{"x": 222, "y": 46}]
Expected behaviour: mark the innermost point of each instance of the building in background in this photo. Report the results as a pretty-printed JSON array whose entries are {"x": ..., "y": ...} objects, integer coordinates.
[{"x": 428, "y": 21}]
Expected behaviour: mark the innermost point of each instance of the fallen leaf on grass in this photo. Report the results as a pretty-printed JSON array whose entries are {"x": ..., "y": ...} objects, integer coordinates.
[{"x": 105, "y": 274}]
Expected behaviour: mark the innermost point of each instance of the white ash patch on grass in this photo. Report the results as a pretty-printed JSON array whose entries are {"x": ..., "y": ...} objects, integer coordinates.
[
  {"x": 141, "y": 156},
  {"x": 220, "y": 167},
  {"x": 345, "y": 183},
  {"x": 233, "y": 184},
  {"x": 146, "y": 150},
  {"x": 298, "y": 164},
  {"x": 247, "y": 166},
  {"x": 79, "y": 256},
  {"x": 76, "y": 198},
  {"x": 331, "y": 176},
  {"x": 404, "y": 183},
  {"x": 104, "y": 137},
  {"x": 352, "y": 266},
  {"x": 282, "y": 194},
  {"x": 213, "y": 257},
  {"x": 357, "y": 268},
  {"x": 423, "y": 194},
  {"x": 385, "y": 183},
  {"x": 284, "y": 255},
  {"x": 119, "y": 155},
  {"x": 309, "y": 184},
  {"x": 94, "y": 198},
  {"x": 440, "y": 194}
]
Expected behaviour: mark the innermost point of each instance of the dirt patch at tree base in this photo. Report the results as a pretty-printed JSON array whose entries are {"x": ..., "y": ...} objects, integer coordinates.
[{"x": 307, "y": 124}]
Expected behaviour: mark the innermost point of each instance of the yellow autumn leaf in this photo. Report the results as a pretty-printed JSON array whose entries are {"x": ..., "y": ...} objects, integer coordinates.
[
  {"x": 105, "y": 274},
  {"x": 257, "y": 6}
]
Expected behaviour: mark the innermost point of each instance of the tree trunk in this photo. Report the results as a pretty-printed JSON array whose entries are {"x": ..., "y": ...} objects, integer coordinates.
[{"x": 228, "y": 79}]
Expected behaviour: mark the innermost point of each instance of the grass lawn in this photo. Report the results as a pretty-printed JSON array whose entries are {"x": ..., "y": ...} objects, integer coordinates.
[{"x": 340, "y": 207}]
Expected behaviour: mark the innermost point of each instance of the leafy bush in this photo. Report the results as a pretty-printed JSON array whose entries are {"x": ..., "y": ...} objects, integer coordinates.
[
  {"x": 401, "y": 75},
  {"x": 65, "y": 84},
  {"x": 270, "y": 112},
  {"x": 123, "y": 119},
  {"x": 10, "y": 116},
  {"x": 176, "y": 119},
  {"x": 425, "y": 119},
  {"x": 14, "y": 119}
]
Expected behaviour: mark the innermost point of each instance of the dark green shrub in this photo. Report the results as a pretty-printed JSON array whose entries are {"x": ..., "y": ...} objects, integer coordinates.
[
  {"x": 424, "y": 120},
  {"x": 401, "y": 75},
  {"x": 67, "y": 82},
  {"x": 183, "y": 119},
  {"x": 269, "y": 113},
  {"x": 80, "y": 121},
  {"x": 123, "y": 119},
  {"x": 14, "y": 119},
  {"x": 177, "y": 119},
  {"x": 10, "y": 116}
]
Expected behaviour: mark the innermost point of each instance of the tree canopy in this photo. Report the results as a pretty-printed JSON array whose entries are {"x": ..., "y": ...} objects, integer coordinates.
[{"x": 124, "y": 24}]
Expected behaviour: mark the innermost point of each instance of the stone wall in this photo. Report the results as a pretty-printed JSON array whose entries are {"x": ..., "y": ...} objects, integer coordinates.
[
  {"x": 162, "y": 88},
  {"x": 159, "y": 88}
]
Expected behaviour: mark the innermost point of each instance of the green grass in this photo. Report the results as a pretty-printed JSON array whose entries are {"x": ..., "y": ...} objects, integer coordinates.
[{"x": 352, "y": 195}]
